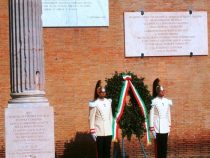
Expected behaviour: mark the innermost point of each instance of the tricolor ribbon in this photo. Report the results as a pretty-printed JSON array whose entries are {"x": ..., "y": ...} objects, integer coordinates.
[{"x": 115, "y": 126}]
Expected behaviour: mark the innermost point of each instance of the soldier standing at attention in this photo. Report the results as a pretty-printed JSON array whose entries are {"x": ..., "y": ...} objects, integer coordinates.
[
  {"x": 100, "y": 119},
  {"x": 160, "y": 120}
]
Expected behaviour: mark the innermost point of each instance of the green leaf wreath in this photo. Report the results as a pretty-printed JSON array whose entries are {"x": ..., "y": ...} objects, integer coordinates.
[{"x": 132, "y": 120}]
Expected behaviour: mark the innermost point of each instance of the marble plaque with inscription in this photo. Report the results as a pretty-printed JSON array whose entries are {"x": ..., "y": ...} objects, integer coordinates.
[
  {"x": 75, "y": 13},
  {"x": 166, "y": 33},
  {"x": 29, "y": 132}
]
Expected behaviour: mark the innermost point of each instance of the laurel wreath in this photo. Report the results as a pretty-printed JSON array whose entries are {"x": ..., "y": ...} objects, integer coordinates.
[{"x": 132, "y": 120}]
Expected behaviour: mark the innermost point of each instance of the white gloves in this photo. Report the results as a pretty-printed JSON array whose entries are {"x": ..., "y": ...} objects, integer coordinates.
[
  {"x": 152, "y": 129},
  {"x": 154, "y": 134},
  {"x": 93, "y": 135}
]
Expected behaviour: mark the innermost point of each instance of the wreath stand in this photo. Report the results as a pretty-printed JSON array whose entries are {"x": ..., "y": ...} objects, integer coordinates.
[
  {"x": 142, "y": 148},
  {"x": 117, "y": 152}
]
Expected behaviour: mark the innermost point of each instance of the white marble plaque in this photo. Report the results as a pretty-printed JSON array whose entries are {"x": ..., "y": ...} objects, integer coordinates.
[
  {"x": 29, "y": 132},
  {"x": 166, "y": 33},
  {"x": 75, "y": 13}
]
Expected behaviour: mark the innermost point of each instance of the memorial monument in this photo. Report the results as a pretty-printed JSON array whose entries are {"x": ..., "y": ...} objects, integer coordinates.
[{"x": 29, "y": 119}]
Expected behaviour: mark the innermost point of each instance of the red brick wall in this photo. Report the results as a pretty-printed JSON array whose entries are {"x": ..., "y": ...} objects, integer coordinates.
[
  {"x": 4, "y": 69},
  {"x": 75, "y": 58}
]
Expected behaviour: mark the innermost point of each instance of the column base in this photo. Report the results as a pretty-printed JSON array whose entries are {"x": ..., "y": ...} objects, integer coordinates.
[{"x": 33, "y": 97}]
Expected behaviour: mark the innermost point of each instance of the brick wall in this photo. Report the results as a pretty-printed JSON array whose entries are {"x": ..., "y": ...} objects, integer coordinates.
[
  {"x": 4, "y": 70},
  {"x": 75, "y": 58}
]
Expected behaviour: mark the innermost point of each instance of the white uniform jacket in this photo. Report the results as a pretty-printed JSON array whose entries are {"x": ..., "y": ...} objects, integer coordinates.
[
  {"x": 160, "y": 115},
  {"x": 100, "y": 117}
]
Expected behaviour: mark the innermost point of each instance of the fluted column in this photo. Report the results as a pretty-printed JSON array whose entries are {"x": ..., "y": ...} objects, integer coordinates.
[{"x": 26, "y": 51}]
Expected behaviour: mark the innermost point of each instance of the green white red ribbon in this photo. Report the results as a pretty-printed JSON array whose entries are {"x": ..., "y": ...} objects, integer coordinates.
[{"x": 115, "y": 126}]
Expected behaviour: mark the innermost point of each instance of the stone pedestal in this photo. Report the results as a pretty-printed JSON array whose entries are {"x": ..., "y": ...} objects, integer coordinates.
[{"x": 29, "y": 132}]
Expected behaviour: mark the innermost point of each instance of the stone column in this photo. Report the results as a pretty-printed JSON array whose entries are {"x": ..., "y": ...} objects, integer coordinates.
[
  {"x": 26, "y": 51},
  {"x": 29, "y": 120}
]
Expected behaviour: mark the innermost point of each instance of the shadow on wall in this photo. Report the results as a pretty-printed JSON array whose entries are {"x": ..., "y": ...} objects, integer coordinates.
[
  {"x": 82, "y": 146},
  {"x": 2, "y": 152}
]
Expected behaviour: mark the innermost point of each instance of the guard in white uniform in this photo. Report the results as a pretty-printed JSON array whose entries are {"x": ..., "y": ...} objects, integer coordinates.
[
  {"x": 101, "y": 123},
  {"x": 160, "y": 121}
]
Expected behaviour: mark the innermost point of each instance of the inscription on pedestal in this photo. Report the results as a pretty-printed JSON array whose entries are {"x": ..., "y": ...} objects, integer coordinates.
[{"x": 29, "y": 132}]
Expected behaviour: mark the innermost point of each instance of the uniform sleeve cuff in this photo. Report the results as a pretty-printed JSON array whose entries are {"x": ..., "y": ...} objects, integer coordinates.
[
  {"x": 92, "y": 130},
  {"x": 152, "y": 128}
]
